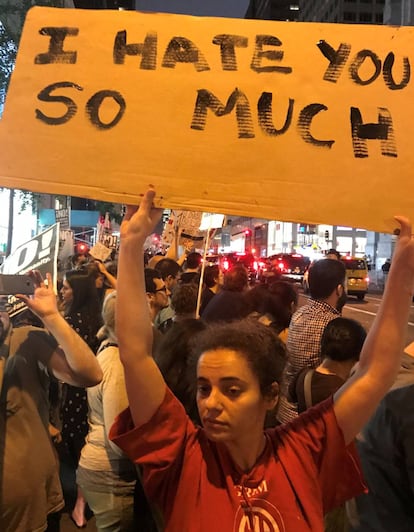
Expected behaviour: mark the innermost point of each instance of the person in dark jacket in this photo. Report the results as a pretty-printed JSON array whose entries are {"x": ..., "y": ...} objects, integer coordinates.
[{"x": 230, "y": 304}]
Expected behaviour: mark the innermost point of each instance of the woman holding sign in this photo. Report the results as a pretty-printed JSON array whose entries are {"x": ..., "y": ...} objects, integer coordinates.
[{"x": 230, "y": 475}]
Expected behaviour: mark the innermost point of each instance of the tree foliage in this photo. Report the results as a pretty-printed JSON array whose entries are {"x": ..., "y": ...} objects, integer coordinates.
[
  {"x": 8, "y": 52},
  {"x": 12, "y": 15}
]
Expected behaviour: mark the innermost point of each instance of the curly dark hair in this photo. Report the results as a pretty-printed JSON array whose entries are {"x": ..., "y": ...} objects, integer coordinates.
[
  {"x": 264, "y": 351},
  {"x": 172, "y": 356},
  {"x": 184, "y": 299}
]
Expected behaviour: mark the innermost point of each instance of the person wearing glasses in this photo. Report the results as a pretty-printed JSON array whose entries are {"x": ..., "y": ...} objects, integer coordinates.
[{"x": 157, "y": 292}]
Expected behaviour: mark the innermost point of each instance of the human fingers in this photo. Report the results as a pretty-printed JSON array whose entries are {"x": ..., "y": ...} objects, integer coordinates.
[
  {"x": 147, "y": 202},
  {"x": 405, "y": 226},
  {"x": 49, "y": 281},
  {"x": 148, "y": 210}
]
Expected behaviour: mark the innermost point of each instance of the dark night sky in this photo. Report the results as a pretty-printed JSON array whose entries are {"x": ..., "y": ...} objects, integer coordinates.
[{"x": 212, "y": 8}]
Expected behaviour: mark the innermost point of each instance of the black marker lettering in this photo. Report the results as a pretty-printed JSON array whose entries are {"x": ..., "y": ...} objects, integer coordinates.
[
  {"x": 207, "y": 100},
  {"x": 305, "y": 121},
  {"x": 264, "y": 110},
  {"x": 227, "y": 45},
  {"x": 182, "y": 50},
  {"x": 382, "y": 131},
  {"x": 271, "y": 55},
  {"x": 56, "y": 54},
  {"x": 147, "y": 49},
  {"x": 94, "y": 103},
  {"x": 389, "y": 78},
  {"x": 45, "y": 96},
  {"x": 358, "y": 61},
  {"x": 337, "y": 59}
]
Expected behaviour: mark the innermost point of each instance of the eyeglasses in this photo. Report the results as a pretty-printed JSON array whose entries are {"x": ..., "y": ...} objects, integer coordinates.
[{"x": 163, "y": 289}]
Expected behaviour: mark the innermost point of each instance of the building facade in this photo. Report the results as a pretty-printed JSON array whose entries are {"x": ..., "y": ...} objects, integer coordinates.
[
  {"x": 399, "y": 12},
  {"x": 273, "y": 9},
  {"x": 342, "y": 11}
]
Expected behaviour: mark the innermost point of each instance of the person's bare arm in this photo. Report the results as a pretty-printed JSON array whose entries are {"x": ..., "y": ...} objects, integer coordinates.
[
  {"x": 72, "y": 361},
  {"x": 380, "y": 358},
  {"x": 109, "y": 277},
  {"x": 144, "y": 383}
]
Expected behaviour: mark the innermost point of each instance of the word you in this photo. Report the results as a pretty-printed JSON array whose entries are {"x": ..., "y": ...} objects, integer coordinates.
[{"x": 267, "y": 57}]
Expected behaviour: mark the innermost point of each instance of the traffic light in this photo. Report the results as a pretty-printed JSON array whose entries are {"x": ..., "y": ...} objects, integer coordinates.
[
  {"x": 248, "y": 232},
  {"x": 327, "y": 235}
]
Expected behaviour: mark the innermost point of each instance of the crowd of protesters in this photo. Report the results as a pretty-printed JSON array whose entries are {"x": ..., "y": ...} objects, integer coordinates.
[{"x": 236, "y": 412}]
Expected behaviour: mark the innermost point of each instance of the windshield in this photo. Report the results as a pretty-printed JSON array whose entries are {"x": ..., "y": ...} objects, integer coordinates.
[{"x": 355, "y": 264}]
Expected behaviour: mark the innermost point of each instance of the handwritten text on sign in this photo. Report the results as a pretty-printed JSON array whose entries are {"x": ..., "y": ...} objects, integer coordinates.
[
  {"x": 267, "y": 56},
  {"x": 244, "y": 117}
]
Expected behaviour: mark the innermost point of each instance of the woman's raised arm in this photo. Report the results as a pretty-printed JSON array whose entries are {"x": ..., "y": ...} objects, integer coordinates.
[
  {"x": 144, "y": 383},
  {"x": 380, "y": 358}
]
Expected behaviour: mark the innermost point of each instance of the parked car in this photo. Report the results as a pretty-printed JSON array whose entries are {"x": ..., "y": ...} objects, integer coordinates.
[
  {"x": 290, "y": 266},
  {"x": 212, "y": 259},
  {"x": 357, "y": 279},
  {"x": 253, "y": 264}
]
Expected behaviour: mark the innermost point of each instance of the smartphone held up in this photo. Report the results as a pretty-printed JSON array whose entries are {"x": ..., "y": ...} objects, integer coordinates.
[{"x": 16, "y": 284}]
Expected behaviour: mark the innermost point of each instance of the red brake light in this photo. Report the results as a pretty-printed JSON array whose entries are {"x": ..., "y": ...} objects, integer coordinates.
[
  {"x": 281, "y": 266},
  {"x": 226, "y": 265},
  {"x": 255, "y": 266}
]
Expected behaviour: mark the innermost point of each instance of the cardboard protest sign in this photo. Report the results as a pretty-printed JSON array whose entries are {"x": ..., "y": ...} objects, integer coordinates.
[
  {"x": 100, "y": 252},
  {"x": 63, "y": 217},
  {"x": 301, "y": 122},
  {"x": 66, "y": 244},
  {"x": 211, "y": 221},
  {"x": 39, "y": 253}
]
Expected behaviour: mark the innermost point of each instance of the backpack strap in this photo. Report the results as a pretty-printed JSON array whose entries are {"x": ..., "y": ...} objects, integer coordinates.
[
  {"x": 307, "y": 387},
  {"x": 105, "y": 345}
]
